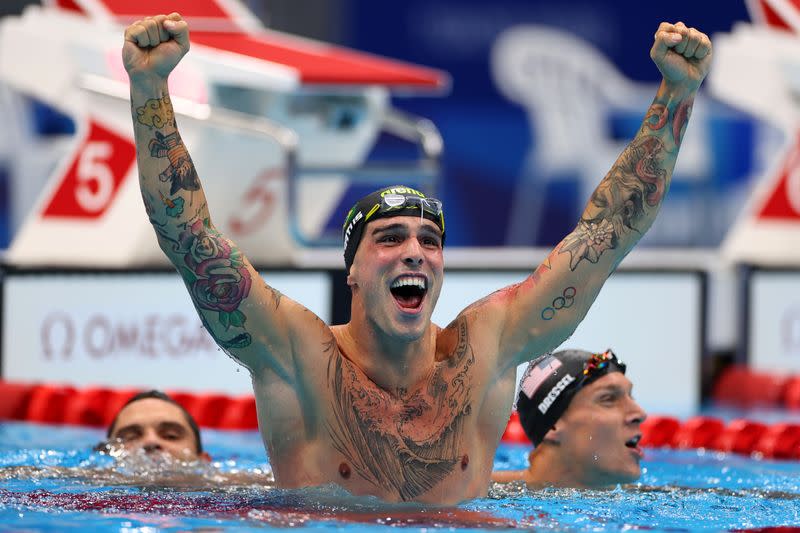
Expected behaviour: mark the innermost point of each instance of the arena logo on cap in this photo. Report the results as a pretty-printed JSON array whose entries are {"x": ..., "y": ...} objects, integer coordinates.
[
  {"x": 353, "y": 222},
  {"x": 402, "y": 190},
  {"x": 555, "y": 392}
]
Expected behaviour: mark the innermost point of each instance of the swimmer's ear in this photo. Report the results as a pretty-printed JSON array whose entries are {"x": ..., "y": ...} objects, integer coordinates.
[
  {"x": 553, "y": 436},
  {"x": 205, "y": 457}
]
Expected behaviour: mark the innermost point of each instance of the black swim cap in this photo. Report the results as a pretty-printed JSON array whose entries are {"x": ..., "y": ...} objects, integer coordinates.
[
  {"x": 551, "y": 381},
  {"x": 373, "y": 206}
]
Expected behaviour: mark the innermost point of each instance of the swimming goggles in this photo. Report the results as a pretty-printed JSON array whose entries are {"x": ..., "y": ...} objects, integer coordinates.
[
  {"x": 390, "y": 202},
  {"x": 599, "y": 361}
]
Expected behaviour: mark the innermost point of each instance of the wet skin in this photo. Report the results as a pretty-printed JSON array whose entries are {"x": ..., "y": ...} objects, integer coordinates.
[
  {"x": 592, "y": 433},
  {"x": 155, "y": 426},
  {"x": 391, "y": 249}
]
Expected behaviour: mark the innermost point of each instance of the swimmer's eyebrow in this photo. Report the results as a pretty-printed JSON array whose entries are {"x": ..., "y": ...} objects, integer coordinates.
[
  {"x": 172, "y": 426},
  {"x": 610, "y": 388},
  {"x": 429, "y": 228},
  {"x": 616, "y": 389},
  {"x": 389, "y": 227},
  {"x": 135, "y": 428}
]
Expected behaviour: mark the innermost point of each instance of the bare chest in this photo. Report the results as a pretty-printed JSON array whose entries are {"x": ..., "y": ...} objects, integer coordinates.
[{"x": 404, "y": 443}]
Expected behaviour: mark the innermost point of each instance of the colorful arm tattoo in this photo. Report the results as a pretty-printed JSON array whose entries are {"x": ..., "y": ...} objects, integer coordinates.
[
  {"x": 217, "y": 278},
  {"x": 157, "y": 114},
  {"x": 627, "y": 200},
  {"x": 213, "y": 269}
]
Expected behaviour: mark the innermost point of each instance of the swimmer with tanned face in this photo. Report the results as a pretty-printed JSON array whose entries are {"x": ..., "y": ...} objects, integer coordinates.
[
  {"x": 153, "y": 431},
  {"x": 155, "y": 423},
  {"x": 391, "y": 404},
  {"x": 577, "y": 409}
]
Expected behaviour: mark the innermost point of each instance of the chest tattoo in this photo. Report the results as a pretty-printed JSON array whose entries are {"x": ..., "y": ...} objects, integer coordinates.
[{"x": 408, "y": 442}]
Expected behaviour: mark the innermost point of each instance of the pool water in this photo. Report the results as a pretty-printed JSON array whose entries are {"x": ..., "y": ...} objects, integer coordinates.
[{"x": 678, "y": 491}]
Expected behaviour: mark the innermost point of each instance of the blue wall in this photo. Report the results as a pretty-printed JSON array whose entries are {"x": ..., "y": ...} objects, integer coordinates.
[{"x": 487, "y": 137}]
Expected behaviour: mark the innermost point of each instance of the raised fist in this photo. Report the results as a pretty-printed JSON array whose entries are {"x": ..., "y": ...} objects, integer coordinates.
[
  {"x": 154, "y": 46},
  {"x": 682, "y": 54}
]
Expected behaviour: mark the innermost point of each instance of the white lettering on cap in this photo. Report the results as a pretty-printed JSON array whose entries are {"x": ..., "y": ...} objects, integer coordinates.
[
  {"x": 555, "y": 392},
  {"x": 356, "y": 218}
]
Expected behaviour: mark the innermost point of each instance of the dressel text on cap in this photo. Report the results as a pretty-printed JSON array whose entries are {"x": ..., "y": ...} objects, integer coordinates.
[{"x": 555, "y": 392}]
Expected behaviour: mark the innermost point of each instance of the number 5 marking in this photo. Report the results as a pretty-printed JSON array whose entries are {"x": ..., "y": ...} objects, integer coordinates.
[
  {"x": 93, "y": 169},
  {"x": 88, "y": 186}
]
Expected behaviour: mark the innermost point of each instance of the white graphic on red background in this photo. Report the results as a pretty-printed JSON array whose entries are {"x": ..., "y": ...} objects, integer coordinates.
[
  {"x": 92, "y": 180},
  {"x": 783, "y": 202},
  {"x": 777, "y": 14}
]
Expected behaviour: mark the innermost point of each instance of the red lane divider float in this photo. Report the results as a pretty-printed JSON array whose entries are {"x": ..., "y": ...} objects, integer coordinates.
[
  {"x": 791, "y": 393},
  {"x": 240, "y": 414},
  {"x": 779, "y": 441},
  {"x": 87, "y": 407},
  {"x": 48, "y": 404},
  {"x": 53, "y": 404},
  {"x": 98, "y": 406},
  {"x": 742, "y": 387},
  {"x": 15, "y": 398},
  {"x": 697, "y": 432}
]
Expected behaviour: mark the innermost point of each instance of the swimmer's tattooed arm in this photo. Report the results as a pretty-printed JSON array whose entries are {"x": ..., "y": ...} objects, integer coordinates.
[
  {"x": 539, "y": 313},
  {"x": 626, "y": 202},
  {"x": 212, "y": 267},
  {"x": 227, "y": 292}
]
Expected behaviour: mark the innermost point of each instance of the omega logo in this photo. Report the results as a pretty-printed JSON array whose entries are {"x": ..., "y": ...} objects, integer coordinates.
[{"x": 102, "y": 336}]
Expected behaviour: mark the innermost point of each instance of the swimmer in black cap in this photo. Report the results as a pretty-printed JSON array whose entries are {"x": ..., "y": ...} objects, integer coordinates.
[
  {"x": 391, "y": 404},
  {"x": 576, "y": 408}
]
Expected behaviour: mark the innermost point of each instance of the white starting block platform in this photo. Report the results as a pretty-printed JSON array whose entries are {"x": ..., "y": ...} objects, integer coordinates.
[{"x": 278, "y": 127}]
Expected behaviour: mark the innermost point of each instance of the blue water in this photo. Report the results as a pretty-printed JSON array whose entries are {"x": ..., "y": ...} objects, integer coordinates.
[{"x": 678, "y": 491}]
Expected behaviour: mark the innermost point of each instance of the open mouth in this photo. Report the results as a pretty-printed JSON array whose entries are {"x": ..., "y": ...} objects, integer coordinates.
[
  {"x": 634, "y": 442},
  {"x": 409, "y": 291}
]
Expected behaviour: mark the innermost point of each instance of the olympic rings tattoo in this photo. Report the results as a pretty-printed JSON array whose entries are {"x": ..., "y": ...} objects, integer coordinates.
[{"x": 564, "y": 301}]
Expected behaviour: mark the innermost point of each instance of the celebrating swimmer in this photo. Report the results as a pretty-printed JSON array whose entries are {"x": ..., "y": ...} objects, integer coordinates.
[
  {"x": 391, "y": 404},
  {"x": 577, "y": 409}
]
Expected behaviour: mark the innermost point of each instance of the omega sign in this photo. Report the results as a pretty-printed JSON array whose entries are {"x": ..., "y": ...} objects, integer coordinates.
[{"x": 103, "y": 336}]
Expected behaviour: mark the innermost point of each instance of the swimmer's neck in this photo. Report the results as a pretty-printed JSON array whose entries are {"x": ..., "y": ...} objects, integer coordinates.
[
  {"x": 551, "y": 469},
  {"x": 547, "y": 470},
  {"x": 389, "y": 362}
]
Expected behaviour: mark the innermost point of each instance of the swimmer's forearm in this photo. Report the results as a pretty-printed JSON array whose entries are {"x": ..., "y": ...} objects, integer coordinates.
[
  {"x": 173, "y": 197},
  {"x": 171, "y": 190},
  {"x": 626, "y": 202}
]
